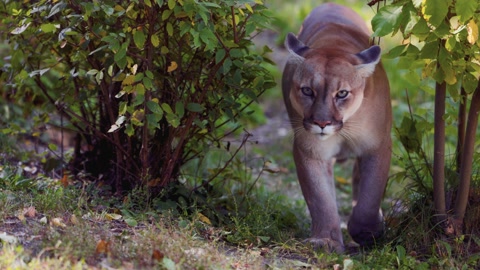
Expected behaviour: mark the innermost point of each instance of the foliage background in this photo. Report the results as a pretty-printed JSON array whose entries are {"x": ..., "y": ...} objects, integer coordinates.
[{"x": 145, "y": 86}]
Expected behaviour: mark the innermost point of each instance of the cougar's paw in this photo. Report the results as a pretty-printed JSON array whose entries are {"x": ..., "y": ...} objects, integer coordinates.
[
  {"x": 366, "y": 234},
  {"x": 326, "y": 244}
]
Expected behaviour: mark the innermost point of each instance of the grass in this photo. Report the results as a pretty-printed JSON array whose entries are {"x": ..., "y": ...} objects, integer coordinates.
[{"x": 46, "y": 225}]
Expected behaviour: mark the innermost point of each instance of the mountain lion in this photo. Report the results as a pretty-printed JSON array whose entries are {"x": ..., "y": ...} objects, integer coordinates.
[{"x": 338, "y": 100}]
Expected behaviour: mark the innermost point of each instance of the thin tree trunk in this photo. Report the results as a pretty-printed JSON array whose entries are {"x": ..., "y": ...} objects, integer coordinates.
[
  {"x": 467, "y": 160},
  {"x": 439, "y": 153},
  {"x": 462, "y": 122}
]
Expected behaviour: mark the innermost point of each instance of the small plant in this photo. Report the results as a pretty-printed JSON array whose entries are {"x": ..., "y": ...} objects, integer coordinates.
[
  {"x": 441, "y": 41},
  {"x": 147, "y": 86}
]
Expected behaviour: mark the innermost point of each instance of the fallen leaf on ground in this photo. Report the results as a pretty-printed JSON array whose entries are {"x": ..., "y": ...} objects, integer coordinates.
[
  {"x": 157, "y": 255},
  {"x": 113, "y": 216},
  {"x": 30, "y": 211},
  {"x": 102, "y": 247},
  {"x": 204, "y": 219},
  {"x": 58, "y": 222},
  {"x": 73, "y": 219}
]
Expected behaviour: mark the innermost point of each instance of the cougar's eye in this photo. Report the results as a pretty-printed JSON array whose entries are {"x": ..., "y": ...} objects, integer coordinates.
[
  {"x": 342, "y": 94},
  {"x": 307, "y": 91}
]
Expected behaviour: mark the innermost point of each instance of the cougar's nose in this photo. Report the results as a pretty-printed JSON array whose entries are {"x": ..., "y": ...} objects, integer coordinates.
[{"x": 322, "y": 124}]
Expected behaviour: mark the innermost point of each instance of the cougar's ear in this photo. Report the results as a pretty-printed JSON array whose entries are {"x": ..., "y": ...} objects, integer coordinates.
[
  {"x": 370, "y": 58},
  {"x": 295, "y": 47}
]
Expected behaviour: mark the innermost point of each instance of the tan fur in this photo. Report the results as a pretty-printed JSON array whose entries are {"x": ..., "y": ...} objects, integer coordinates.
[{"x": 328, "y": 127}]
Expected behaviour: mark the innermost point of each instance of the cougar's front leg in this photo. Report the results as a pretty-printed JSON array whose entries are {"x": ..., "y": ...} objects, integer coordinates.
[
  {"x": 370, "y": 179},
  {"x": 316, "y": 181}
]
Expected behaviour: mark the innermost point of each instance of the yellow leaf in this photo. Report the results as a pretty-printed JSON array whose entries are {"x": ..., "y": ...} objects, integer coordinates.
[
  {"x": 249, "y": 8},
  {"x": 450, "y": 77},
  {"x": 204, "y": 219},
  {"x": 57, "y": 222},
  {"x": 173, "y": 66},
  {"x": 341, "y": 180},
  {"x": 118, "y": 8},
  {"x": 472, "y": 30},
  {"x": 112, "y": 216},
  {"x": 128, "y": 80}
]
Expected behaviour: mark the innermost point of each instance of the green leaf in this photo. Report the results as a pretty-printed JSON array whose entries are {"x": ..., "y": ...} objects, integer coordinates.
[
  {"x": 465, "y": 9},
  {"x": 171, "y": 4},
  {"x": 450, "y": 43},
  {"x": 169, "y": 29},
  {"x": 92, "y": 72},
  {"x": 131, "y": 222},
  {"x": 408, "y": 135},
  {"x": 149, "y": 74},
  {"x": 219, "y": 55},
  {"x": 414, "y": 18},
  {"x": 401, "y": 254},
  {"x": 450, "y": 74},
  {"x": 153, "y": 120},
  {"x": 168, "y": 264},
  {"x": 469, "y": 83},
  {"x": 179, "y": 109},
  {"x": 173, "y": 120},
  {"x": 139, "y": 39},
  {"x": 98, "y": 49},
  {"x": 155, "y": 41},
  {"x": 421, "y": 29},
  {"x": 99, "y": 77},
  {"x": 396, "y": 51},
  {"x": 154, "y": 107},
  {"x": 195, "y": 107},
  {"x": 52, "y": 146},
  {"x": 121, "y": 58},
  {"x": 48, "y": 27},
  {"x": 147, "y": 82},
  {"x": 57, "y": 8},
  {"x": 236, "y": 53},
  {"x": 430, "y": 50},
  {"x": 435, "y": 11},
  {"x": 166, "y": 108},
  {"x": 140, "y": 89},
  {"x": 386, "y": 20},
  {"x": 129, "y": 130},
  {"x": 164, "y": 50},
  {"x": 166, "y": 14}
]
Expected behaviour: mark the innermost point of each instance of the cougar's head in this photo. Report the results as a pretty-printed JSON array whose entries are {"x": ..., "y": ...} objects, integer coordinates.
[{"x": 327, "y": 86}]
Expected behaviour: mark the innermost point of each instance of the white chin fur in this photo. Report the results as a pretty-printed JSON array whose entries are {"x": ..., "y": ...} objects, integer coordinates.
[
  {"x": 323, "y": 136},
  {"x": 324, "y": 133}
]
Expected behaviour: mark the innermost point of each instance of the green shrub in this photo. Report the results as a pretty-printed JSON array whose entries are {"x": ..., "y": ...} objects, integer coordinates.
[{"x": 147, "y": 85}]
